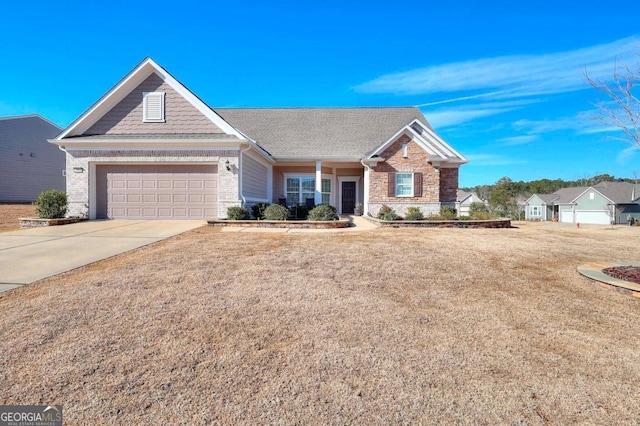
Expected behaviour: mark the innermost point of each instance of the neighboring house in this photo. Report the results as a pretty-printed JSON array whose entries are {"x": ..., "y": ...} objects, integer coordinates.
[
  {"x": 151, "y": 149},
  {"x": 28, "y": 164},
  {"x": 604, "y": 203},
  {"x": 464, "y": 200}
]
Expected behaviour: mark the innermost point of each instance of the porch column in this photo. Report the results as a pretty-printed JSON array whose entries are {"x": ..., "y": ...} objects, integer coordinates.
[
  {"x": 318, "y": 194},
  {"x": 365, "y": 200}
]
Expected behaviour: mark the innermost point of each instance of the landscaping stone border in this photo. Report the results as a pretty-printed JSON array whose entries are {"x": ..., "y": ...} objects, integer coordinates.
[
  {"x": 491, "y": 223},
  {"x": 28, "y": 222},
  {"x": 594, "y": 271},
  {"x": 294, "y": 224}
]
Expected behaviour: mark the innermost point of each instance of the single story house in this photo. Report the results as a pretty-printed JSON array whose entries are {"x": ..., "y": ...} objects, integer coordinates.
[
  {"x": 604, "y": 203},
  {"x": 28, "y": 164},
  {"x": 464, "y": 200},
  {"x": 151, "y": 149}
]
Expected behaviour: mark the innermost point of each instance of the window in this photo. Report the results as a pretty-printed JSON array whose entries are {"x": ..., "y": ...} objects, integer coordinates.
[
  {"x": 592, "y": 195},
  {"x": 153, "y": 107},
  {"x": 301, "y": 188},
  {"x": 535, "y": 211},
  {"x": 404, "y": 184}
]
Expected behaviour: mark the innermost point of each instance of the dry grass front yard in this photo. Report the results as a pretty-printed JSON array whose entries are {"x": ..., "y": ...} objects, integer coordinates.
[
  {"x": 385, "y": 327},
  {"x": 10, "y": 213}
]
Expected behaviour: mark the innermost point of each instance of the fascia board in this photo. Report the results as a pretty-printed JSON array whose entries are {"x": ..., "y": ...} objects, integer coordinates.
[{"x": 438, "y": 140}]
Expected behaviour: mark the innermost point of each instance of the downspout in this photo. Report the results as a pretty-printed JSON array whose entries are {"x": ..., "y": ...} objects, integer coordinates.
[{"x": 242, "y": 197}]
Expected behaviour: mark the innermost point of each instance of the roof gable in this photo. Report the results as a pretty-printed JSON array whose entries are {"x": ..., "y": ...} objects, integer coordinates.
[
  {"x": 144, "y": 71},
  {"x": 427, "y": 139}
]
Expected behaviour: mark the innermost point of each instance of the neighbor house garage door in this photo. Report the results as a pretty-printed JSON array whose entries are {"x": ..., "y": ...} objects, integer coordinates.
[
  {"x": 566, "y": 216},
  {"x": 156, "y": 192},
  {"x": 597, "y": 217}
]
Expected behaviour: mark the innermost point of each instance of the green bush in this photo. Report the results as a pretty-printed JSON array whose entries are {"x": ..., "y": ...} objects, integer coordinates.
[
  {"x": 413, "y": 213},
  {"x": 464, "y": 218},
  {"x": 276, "y": 212},
  {"x": 51, "y": 204},
  {"x": 299, "y": 212},
  {"x": 478, "y": 207},
  {"x": 238, "y": 213},
  {"x": 448, "y": 212},
  {"x": 387, "y": 213},
  {"x": 323, "y": 212},
  {"x": 257, "y": 210}
]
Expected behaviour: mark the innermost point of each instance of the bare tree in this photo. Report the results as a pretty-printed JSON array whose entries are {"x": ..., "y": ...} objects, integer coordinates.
[{"x": 622, "y": 108}]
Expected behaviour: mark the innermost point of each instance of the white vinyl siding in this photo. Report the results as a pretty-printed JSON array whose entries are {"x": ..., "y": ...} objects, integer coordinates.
[
  {"x": 254, "y": 178},
  {"x": 153, "y": 107},
  {"x": 404, "y": 184}
]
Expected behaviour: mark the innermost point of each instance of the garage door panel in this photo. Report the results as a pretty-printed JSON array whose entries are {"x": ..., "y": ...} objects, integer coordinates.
[
  {"x": 595, "y": 217},
  {"x": 158, "y": 192}
]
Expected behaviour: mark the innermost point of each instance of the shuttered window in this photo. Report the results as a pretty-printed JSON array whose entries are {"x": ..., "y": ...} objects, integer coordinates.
[
  {"x": 405, "y": 185},
  {"x": 153, "y": 107}
]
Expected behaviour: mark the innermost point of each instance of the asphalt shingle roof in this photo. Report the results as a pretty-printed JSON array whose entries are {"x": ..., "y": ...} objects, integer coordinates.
[
  {"x": 618, "y": 192},
  {"x": 320, "y": 132}
]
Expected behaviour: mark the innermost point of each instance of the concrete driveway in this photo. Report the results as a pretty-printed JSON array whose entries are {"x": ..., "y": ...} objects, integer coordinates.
[{"x": 30, "y": 255}]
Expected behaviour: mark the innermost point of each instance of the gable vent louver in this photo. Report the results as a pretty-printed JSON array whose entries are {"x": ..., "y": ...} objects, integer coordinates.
[{"x": 153, "y": 107}]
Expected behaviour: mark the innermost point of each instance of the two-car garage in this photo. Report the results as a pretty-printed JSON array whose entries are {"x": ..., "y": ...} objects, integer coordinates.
[{"x": 156, "y": 191}]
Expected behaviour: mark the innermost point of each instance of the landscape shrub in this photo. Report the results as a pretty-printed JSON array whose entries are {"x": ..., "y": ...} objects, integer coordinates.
[
  {"x": 448, "y": 212},
  {"x": 238, "y": 213},
  {"x": 387, "y": 213},
  {"x": 323, "y": 212},
  {"x": 276, "y": 212},
  {"x": 51, "y": 204},
  {"x": 464, "y": 218},
  {"x": 413, "y": 213},
  {"x": 482, "y": 216},
  {"x": 299, "y": 212},
  {"x": 478, "y": 207},
  {"x": 257, "y": 210}
]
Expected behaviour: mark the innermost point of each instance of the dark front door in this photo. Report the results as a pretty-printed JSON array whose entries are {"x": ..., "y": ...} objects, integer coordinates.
[{"x": 348, "y": 197}]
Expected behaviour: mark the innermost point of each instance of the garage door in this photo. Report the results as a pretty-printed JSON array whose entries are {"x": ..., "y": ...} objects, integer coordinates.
[
  {"x": 566, "y": 216},
  {"x": 156, "y": 192},
  {"x": 597, "y": 217}
]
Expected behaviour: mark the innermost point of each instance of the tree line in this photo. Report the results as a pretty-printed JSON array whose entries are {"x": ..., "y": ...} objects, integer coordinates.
[{"x": 507, "y": 197}]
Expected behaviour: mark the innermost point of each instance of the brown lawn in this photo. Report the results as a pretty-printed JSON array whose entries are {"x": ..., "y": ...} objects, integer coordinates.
[
  {"x": 386, "y": 327},
  {"x": 10, "y": 213}
]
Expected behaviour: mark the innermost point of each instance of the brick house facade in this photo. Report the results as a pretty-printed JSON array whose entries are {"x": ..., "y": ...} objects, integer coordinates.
[{"x": 151, "y": 149}]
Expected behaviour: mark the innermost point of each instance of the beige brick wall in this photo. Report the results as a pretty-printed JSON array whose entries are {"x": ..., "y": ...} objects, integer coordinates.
[
  {"x": 78, "y": 184},
  {"x": 126, "y": 117}
]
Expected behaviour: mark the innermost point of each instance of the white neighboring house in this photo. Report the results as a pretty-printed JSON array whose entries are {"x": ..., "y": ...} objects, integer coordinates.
[
  {"x": 464, "y": 200},
  {"x": 604, "y": 203}
]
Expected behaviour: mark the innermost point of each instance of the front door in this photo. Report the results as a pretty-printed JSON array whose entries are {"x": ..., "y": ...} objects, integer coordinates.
[{"x": 348, "y": 197}]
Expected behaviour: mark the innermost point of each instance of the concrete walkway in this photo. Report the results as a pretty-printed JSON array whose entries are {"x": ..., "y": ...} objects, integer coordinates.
[{"x": 32, "y": 254}]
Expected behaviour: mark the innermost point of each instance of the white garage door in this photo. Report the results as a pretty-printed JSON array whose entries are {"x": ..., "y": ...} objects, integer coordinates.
[
  {"x": 566, "y": 216},
  {"x": 156, "y": 192},
  {"x": 596, "y": 217}
]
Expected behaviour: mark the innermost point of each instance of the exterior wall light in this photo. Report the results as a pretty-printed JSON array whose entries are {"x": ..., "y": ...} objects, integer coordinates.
[
  {"x": 227, "y": 165},
  {"x": 78, "y": 170}
]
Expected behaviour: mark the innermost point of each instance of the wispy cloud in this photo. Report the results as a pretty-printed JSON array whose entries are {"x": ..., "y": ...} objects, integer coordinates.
[
  {"x": 626, "y": 155},
  {"x": 492, "y": 160},
  {"x": 506, "y": 77},
  {"x": 518, "y": 140},
  {"x": 451, "y": 116}
]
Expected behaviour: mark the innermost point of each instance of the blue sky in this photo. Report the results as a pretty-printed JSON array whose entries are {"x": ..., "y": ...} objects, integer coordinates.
[{"x": 502, "y": 82}]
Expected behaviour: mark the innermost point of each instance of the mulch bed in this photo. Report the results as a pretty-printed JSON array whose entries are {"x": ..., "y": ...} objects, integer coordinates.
[{"x": 627, "y": 273}]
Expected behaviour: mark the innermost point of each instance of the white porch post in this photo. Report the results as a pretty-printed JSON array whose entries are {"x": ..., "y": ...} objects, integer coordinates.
[
  {"x": 365, "y": 201},
  {"x": 318, "y": 194}
]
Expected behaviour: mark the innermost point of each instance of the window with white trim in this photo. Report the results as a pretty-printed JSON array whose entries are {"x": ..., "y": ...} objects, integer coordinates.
[
  {"x": 153, "y": 107},
  {"x": 535, "y": 211},
  {"x": 300, "y": 188},
  {"x": 404, "y": 184}
]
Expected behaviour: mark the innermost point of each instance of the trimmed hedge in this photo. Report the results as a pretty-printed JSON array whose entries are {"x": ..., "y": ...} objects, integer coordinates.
[
  {"x": 238, "y": 213},
  {"x": 276, "y": 212}
]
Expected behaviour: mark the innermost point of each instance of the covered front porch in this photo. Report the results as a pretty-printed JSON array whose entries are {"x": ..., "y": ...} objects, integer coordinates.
[{"x": 338, "y": 183}]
